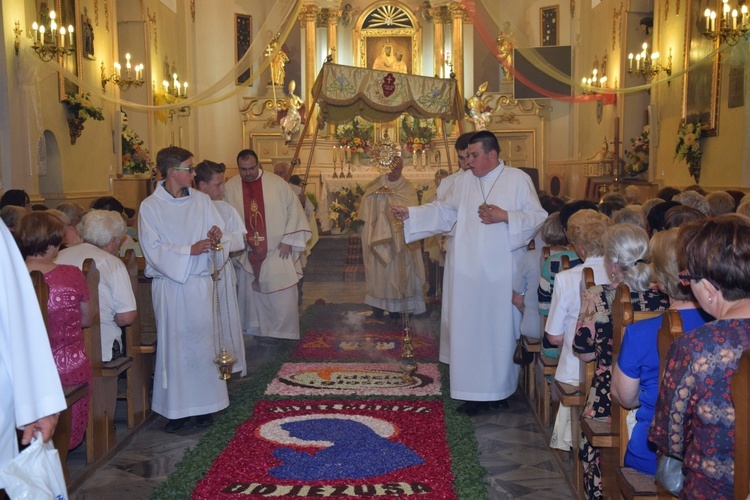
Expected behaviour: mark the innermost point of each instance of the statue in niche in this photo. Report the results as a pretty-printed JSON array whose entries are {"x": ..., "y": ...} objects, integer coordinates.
[
  {"x": 506, "y": 41},
  {"x": 479, "y": 111},
  {"x": 290, "y": 123},
  {"x": 386, "y": 60}
]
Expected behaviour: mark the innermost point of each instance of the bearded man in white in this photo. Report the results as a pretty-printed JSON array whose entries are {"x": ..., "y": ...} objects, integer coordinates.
[
  {"x": 269, "y": 268},
  {"x": 496, "y": 212}
]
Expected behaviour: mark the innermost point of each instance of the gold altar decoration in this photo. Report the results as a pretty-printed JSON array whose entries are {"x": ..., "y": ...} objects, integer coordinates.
[{"x": 392, "y": 25}]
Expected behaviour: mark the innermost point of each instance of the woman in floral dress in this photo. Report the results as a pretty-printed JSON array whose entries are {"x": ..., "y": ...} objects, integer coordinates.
[
  {"x": 625, "y": 256},
  {"x": 40, "y": 235},
  {"x": 694, "y": 419}
]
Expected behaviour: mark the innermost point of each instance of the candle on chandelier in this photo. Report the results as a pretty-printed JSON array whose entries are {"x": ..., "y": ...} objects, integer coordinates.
[
  {"x": 70, "y": 34},
  {"x": 734, "y": 19},
  {"x": 185, "y": 87},
  {"x": 52, "y": 22},
  {"x": 35, "y": 29},
  {"x": 707, "y": 13},
  {"x": 127, "y": 63},
  {"x": 630, "y": 61},
  {"x": 117, "y": 69},
  {"x": 713, "y": 20},
  {"x": 725, "y": 12},
  {"x": 743, "y": 11},
  {"x": 62, "y": 35},
  {"x": 41, "y": 34},
  {"x": 165, "y": 84}
]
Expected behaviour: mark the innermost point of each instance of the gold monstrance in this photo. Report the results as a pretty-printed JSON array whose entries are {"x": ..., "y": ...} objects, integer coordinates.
[
  {"x": 224, "y": 360},
  {"x": 383, "y": 155}
]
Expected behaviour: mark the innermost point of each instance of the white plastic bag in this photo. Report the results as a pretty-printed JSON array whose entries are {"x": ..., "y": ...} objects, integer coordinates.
[{"x": 36, "y": 473}]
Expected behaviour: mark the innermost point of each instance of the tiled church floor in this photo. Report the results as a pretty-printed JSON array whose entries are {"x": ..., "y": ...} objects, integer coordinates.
[{"x": 512, "y": 448}]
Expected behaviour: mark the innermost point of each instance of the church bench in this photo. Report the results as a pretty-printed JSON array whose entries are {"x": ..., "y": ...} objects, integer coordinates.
[
  {"x": 741, "y": 399},
  {"x": 100, "y": 432},
  {"x": 545, "y": 367},
  {"x": 612, "y": 436},
  {"x": 73, "y": 393},
  {"x": 138, "y": 377},
  {"x": 630, "y": 482},
  {"x": 533, "y": 346}
]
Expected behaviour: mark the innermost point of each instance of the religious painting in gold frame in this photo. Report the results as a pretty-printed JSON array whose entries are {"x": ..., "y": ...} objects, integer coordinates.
[
  {"x": 68, "y": 13},
  {"x": 389, "y": 23},
  {"x": 700, "y": 93}
]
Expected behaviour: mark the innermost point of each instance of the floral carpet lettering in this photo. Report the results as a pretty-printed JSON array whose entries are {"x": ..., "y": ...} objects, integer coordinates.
[
  {"x": 361, "y": 345},
  {"x": 362, "y": 379},
  {"x": 336, "y": 449}
]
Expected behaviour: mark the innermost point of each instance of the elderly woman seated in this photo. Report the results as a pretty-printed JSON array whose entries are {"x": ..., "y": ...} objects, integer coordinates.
[
  {"x": 102, "y": 233},
  {"x": 626, "y": 258},
  {"x": 635, "y": 379},
  {"x": 694, "y": 420},
  {"x": 39, "y": 235},
  {"x": 586, "y": 230}
]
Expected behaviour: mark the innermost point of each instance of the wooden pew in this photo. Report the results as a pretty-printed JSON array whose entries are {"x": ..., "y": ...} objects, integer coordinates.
[
  {"x": 630, "y": 483},
  {"x": 138, "y": 386},
  {"x": 61, "y": 437},
  {"x": 146, "y": 317},
  {"x": 545, "y": 366},
  {"x": 741, "y": 399},
  {"x": 671, "y": 329},
  {"x": 533, "y": 346},
  {"x": 100, "y": 432}
]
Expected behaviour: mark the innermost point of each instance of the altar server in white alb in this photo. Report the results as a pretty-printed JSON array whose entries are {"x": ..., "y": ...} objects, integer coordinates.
[
  {"x": 269, "y": 268},
  {"x": 496, "y": 212},
  {"x": 177, "y": 228},
  {"x": 209, "y": 179},
  {"x": 31, "y": 395}
]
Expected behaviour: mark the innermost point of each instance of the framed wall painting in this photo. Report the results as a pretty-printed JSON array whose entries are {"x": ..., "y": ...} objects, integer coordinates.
[
  {"x": 700, "y": 95},
  {"x": 67, "y": 14},
  {"x": 548, "y": 19},
  {"x": 243, "y": 37}
]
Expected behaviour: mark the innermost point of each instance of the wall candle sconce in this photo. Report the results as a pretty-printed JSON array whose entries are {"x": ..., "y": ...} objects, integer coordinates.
[
  {"x": 49, "y": 41},
  {"x": 130, "y": 79},
  {"x": 647, "y": 64},
  {"x": 731, "y": 30}
]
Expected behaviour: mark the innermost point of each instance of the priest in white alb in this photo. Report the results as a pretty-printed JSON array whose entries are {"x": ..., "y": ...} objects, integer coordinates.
[
  {"x": 394, "y": 271},
  {"x": 178, "y": 228},
  {"x": 496, "y": 212},
  {"x": 269, "y": 268},
  {"x": 209, "y": 179}
]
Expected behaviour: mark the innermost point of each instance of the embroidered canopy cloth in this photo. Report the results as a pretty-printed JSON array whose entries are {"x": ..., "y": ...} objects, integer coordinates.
[{"x": 382, "y": 96}]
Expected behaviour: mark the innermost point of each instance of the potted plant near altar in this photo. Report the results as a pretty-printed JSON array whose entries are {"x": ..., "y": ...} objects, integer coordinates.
[
  {"x": 637, "y": 155},
  {"x": 689, "y": 148},
  {"x": 135, "y": 158},
  {"x": 344, "y": 210},
  {"x": 355, "y": 137},
  {"x": 80, "y": 109},
  {"x": 418, "y": 134}
]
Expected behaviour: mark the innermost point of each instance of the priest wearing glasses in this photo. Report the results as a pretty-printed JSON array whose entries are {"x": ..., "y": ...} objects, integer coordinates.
[{"x": 496, "y": 213}]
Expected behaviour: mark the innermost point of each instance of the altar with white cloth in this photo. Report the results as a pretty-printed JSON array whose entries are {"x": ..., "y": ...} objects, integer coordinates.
[{"x": 331, "y": 186}]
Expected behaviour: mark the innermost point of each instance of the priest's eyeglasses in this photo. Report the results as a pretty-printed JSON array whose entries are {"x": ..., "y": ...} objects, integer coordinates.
[
  {"x": 186, "y": 169},
  {"x": 686, "y": 278}
]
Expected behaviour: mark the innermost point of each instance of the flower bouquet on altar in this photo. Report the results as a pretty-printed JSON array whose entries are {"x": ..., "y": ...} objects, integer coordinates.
[
  {"x": 135, "y": 158},
  {"x": 355, "y": 136},
  {"x": 688, "y": 147},
  {"x": 418, "y": 133},
  {"x": 344, "y": 210},
  {"x": 637, "y": 156}
]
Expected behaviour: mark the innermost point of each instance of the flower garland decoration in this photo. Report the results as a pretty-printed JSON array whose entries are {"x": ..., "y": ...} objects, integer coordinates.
[
  {"x": 356, "y": 135},
  {"x": 80, "y": 106},
  {"x": 637, "y": 156},
  {"x": 344, "y": 210},
  {"x": 689, "y": 148},
  {"x": 135, "y": 158},
  {"x": 418, "y": 133}
]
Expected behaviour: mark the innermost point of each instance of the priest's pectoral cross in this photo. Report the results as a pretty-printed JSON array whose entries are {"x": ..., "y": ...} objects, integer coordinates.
[{"x": 257, "y": 238}]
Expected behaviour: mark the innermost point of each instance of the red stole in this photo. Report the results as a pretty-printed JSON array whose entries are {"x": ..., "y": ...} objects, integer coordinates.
[{"x": 255, "y": 223}]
